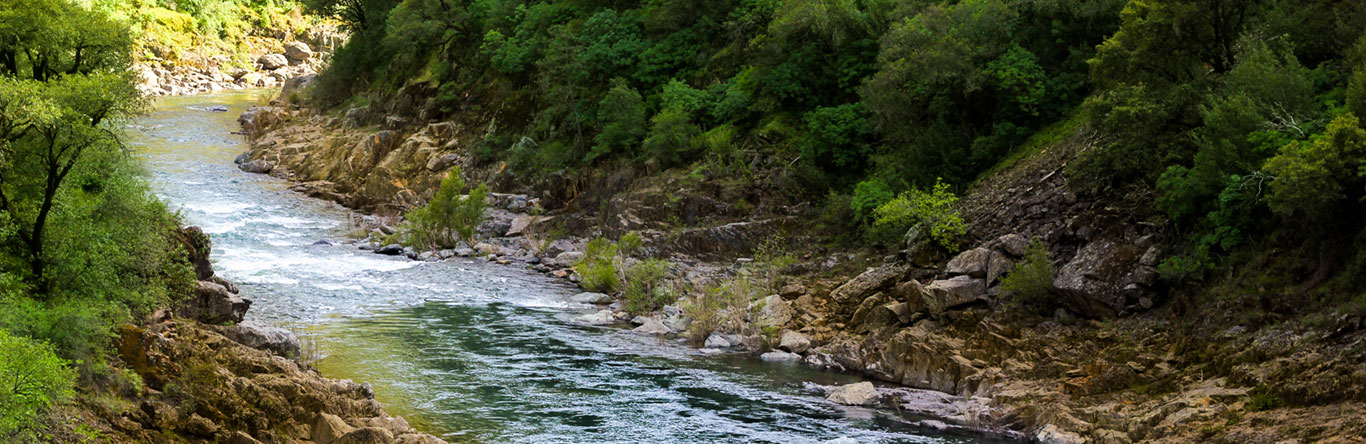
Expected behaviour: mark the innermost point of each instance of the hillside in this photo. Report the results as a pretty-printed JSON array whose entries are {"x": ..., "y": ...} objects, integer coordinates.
[{"x": 1143, "y": 227}]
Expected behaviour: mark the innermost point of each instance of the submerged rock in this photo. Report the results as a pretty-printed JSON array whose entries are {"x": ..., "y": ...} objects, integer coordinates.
[
  {"x": 780, "y": 356},
  {"x": 602, "y": 317}
]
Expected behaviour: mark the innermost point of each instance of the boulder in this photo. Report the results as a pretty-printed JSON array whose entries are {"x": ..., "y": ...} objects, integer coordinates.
[
  {"x": 972, "y": 263},
  {"x": 257, "y": 167},
  {"x": 519, "y": 225},
  {"x": 328, "y": 428},
  {"x": 1051, "y": 434},
  {"x": 272, "y": 61},
  {"x": 591, "y": 298},
  {"x": 298, "y": 52},
  {"x": 565, "y": 259},
  {"x": 418, "y": 438},
  {"x": 1090, "y": 282},
  {"x": 390, "y": 250},
  {"x": 200, "y": 426},
  {"x": 780, "y": 356},
  {"x": 944, "y": 294},
  {"x": 366, "y": 435},
  {"x": 213, "y": 304},
  {"x": 716, "y": 341},
  {"x": 227, "y": 284},
  {"x": 775, "y": 312},
  {"x": 792, "y": 291},
  {"x": 870, "y": 281},
  {"x": 602, "y": 317},
  {"x": 653, "y": 327},
  {"x": 240, "y": 437},
  {"x": 862, "y": 393},
  {"x": 1014, "y": 244},
  {"x": 794, "y": 342},
  {"x": 273, "y": 339},
  {"x": 998, "y": 266}
]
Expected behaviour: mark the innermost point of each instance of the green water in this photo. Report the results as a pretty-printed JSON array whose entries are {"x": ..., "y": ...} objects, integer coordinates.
[{"x": 464, "y": 349}]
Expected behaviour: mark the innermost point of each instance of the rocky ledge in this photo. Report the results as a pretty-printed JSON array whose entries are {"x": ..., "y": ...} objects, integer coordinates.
[{"x": 208, "y": 377}]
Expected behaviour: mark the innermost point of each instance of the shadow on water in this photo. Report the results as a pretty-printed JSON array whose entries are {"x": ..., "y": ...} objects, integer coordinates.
[{"x": 473, "y": 351}]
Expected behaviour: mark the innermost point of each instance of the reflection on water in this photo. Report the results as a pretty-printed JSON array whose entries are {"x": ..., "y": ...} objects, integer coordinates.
[{"x": 471, "y": 351}]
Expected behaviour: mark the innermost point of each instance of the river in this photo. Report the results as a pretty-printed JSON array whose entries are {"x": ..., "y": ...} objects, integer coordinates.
[{"x": 465, "y": 349}]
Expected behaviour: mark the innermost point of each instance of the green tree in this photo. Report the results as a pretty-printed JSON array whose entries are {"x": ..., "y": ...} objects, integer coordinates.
[
  {"x": 621, "y": 115},
  {"x": 32, "y": 379},
  {"x": 1312, "y": 179},
  {"x": 448, "y": 217}
]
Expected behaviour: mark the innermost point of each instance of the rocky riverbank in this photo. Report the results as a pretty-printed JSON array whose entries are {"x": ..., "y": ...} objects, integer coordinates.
[
  {"x": 205, "y": 376},
  {"x": 274, "y": 60},
  {"x": 1119, "y": 363}
]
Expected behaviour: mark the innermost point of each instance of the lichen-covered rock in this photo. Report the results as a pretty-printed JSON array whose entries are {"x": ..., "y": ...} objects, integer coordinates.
[
  {"x": 972, "y": 263},
  {"x": 774, "y": 312}
]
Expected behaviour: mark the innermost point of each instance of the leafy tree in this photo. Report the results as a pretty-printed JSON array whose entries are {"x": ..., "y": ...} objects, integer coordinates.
[
  {"x": 1312, "y": 179},
  {"x": 448, "y": 217},
  {"x": 32, "y": 378},
  {"x": 622, "y": 116}
]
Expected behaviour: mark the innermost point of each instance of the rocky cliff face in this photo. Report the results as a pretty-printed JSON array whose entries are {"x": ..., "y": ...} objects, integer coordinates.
[
  {"x": 276, "y": 59},
  {"x": 235, "y": 383}
]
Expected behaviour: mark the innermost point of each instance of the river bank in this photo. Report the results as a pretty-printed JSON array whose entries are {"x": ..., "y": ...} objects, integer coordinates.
[{"x": 935, "y": 323}]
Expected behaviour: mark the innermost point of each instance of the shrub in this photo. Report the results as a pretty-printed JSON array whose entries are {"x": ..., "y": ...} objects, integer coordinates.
[
  {"x": 448, "y": 217},
  {"x": 1261, "y": 398},
  {"x": 935, "y": 211},
  {"x": 32, "y": 378},
  {"x": 645, "y": 289},
  {"x": 598, "y": 268},
  {"x": 868, "y": 196},
  {"x": 722, "y": 307},
  {"x": 1031, "y": 281},
  {"x": 1313, "y": 178}
]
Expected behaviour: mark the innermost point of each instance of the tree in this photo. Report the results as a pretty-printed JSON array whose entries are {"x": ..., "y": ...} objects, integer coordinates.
[
  {"x": 31, "y": 379},
  {"x": 1312, "y": 179},
  {"x": 621, "y": 115},
  {"x": 449, "y": 216}
]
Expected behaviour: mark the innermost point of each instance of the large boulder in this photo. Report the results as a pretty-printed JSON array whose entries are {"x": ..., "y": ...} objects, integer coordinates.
[
  {"x": 257, "y": 167},
  {"x": 297, "y": 52},
  {"x": 795, "y": 342},
  {"x": 329, "y": 428},
  {"x": 255, "y": 335},
  {"x": 1090, "y": 283},
  {"x": 972, "y": 263},
  {"x": 775, "y": 312},
  {"x": 851, "y": 293},
  {"x": 591, "y": 298},
  {"x": 366, "y": 435},
  {"x": 941, "y": 295},
  {"x": 272, "y": 61},
  {"x": 862, "y": 393},
  {"x": 602, "y": 317},
  {"x": 653, "y": 327},
  {"x": 214, "y": 304}
]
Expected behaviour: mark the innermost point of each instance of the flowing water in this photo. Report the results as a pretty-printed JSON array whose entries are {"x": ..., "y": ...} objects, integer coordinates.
[{"x": 468, "y": 350}]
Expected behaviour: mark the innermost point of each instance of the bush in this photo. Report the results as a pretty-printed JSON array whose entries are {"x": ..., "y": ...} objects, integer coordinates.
[
  {"x": 1312, "y": 179},
  {"x": 720, "y": 308},
  {"x": 935, "y": 211},
  {"x": 598, "y": 268},
  {"x": 448, "y": 217},
  {"x": 1031, "y": 281},
  {"x": 32, "y": 378},
  {"x": 645, "y": 291}
]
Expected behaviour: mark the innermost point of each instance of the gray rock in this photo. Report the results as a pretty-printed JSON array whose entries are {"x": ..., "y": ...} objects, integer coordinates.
[
  {"x": 242, "y": 158},
  {"x": 272, "y": 61},
  {"x": 366, "y": 435},
  {"x": 862, "y": 393},
  {"x": 217, "y": 109},
  {"x": 944, "y": 294},
  {"x": 775, "y": 312},
  {"x": 464, "y": 252},
  {"x": 257, "y": 167},
  {"x": 794, "y": 342},
  {"x": 653, "y": 327},
  {"x": 565, "y": 259},
  {"x": 602, "y": 317},
  {"x": 390, "y": 250},
  {"x": 716, "y": 341},
  {"x": 297, "y": 52},
  {"x": 1089, "y": 283},
  {"x": 780, "y": 356},
  {"x": 870, "y": 281},
  {"x": 213, "y": 304},
  {"x": 972, "y": 263},
  {"x": 591, "y": 298},
  {"x": 273, "y": 339},
  {"x": 1014, "y": 244}
]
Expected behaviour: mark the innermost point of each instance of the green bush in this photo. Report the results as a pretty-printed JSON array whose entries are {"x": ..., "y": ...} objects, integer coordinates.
[
  {"x": 449, "y": 217},
  {"x": 935, "y": 211},
  {"x": 598, "y": 268},
  {"x": 1031, "y": 281},
  {"x": 32, "y": 378},
  {"x": 722, "y": 307},
  {"x": 645, "y": 289},
  {"x": 1312, "y": 179}
]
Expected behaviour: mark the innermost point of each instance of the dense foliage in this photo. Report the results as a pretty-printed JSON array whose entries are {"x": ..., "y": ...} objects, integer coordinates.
[
  {"x": 845, "y": 91},
  {"x": 32, "y": 378},
  {"x": 84, "y": 245}
]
